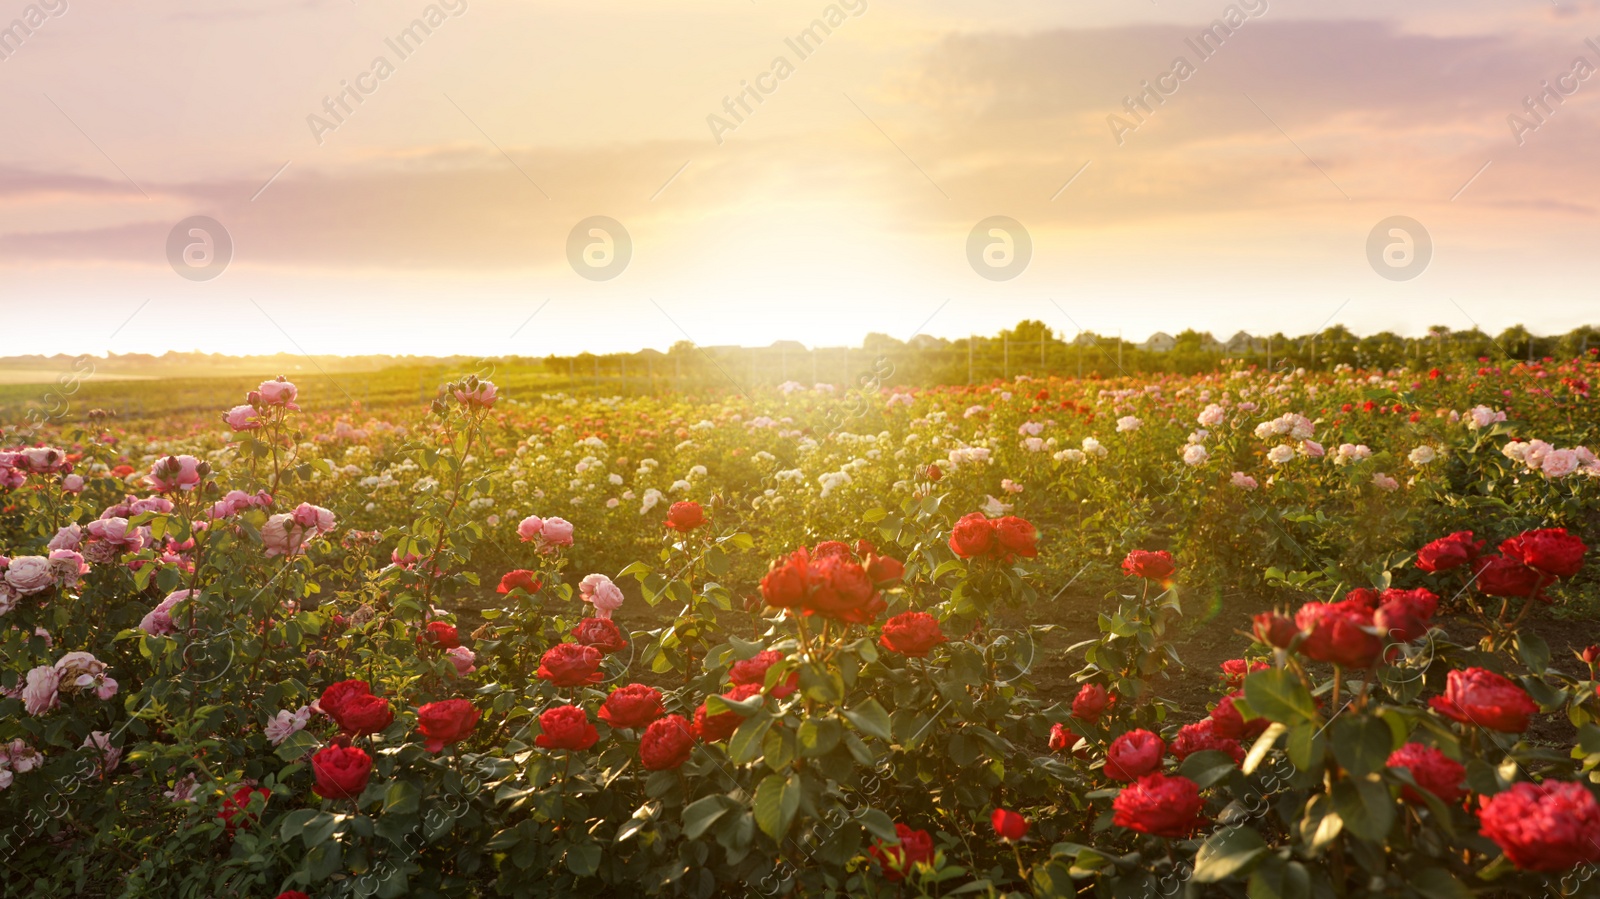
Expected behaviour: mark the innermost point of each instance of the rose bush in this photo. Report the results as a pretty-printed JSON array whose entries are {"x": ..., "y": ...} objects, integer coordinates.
[{"x": 386, "y": 667}]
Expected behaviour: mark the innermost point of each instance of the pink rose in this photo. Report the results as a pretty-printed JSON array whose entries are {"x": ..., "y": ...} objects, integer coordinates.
[
  {"x": 279, "y": 392},
  {"x": 69, "y": 537},
  {"x": 41, "y": 693},
  {"x": 529, "y": 528},
  {"x": 1312, "y": 449},
  {"x": 480, "y": 397},
  {"x": 557, "y": 532},
  {"x": 605, "y": 596},
  {"x": 463, "y": 658},
  {"x": 29, "y": 574},
  {"x": 158, "y": 621},
  {"x": 72, "y": 483},
  {"x": 175, "y": 473},
  {"x": 242, "y": 418}
]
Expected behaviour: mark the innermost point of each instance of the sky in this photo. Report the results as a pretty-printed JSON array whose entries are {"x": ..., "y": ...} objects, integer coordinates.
[{"x": 397, "y": 176}]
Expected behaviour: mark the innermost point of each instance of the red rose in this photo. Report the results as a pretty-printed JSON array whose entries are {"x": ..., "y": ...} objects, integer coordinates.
[
  {"x": 1133, "y": 755},
  {"x": 666, "y": 743},
  {"x": 934, "y": 473},
  {"x": 441, "y": 634},
  {"x": 1481, "y": 697},
  {"x": 1152, "y": 566},
  {"x": 1234, "y": 671},
  {"x": 685, "y": 516},
  {"x": 1017, "y": 536},
  {"x": 571, "y": 665},
  {"x": 446, "y": 722},
  {"x": 1159, "y": 805},
  {"x": 1008, "y": 825},
  {"x": 913, "y": 634},
  {"x": 1506, "y": 576},
  {"x": 754, "y": 671},
  {"x": 915, "y": 847},
  {"x": 1405, "y": 615},
  {"x": 364, "y": 714},
  {"x": 832, "y": 548},
  {"x": 1448, "y": 553},
  {"x": 1274, "y": 629},
  {"x": 785, "y": 584},
  {"x": 885, "y": 571},
  {"x": 292, "y": 894},
  {"x": 1089, "y": 703},
  {"x": 235, "y": 812},
  {"x": 842, "y": 590},
  {"x": 1228, "y": 722},
  {"x": 973, "y": 536},
  {"x": 1061, "y": 738},
  {"x": 1336, "y": 633},
  {"x": 1202, "y": 735},
  {"x": 721, "y": 726},
  {"x": 520, "y": 579},
  {"x": 336, "y": 695},
  {"x": 1551, "y": 551},
  {"x": 566, "y": 727},
  {"x": 601, "y": 633},
  {"x": 1433, "y": 771},
  {"x": 632, "y": 706},
  {"x": 341, "y": 772},
  {"x": 864, "y": 548},
  {"x": 1544, "y": 827}
]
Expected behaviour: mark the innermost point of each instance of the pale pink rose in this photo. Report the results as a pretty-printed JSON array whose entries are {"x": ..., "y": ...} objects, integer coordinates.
[
  {"x": 1212, "y": 416},
  {"x": 1030, "y": 429},
  {"x": 1559, "y": 463},
  {"x": 242, "y": 418},
  {"x": 605, "y": 596},
  {"x": 174, "y": 473},
  {"x": 42, "y": 692},
  {"x": 109, "y": 538},
  {"x": 463, "y": 658},
  {"x": 69, "y": 537},
  {"x": 529, "y": 528},
  {"x": 1010, "y": 486},
  {"x": 29, "y": 575},
  {"x": 22, "y": 757},
  {"x": 1244, "y": 481},
  {"x": 286, "y": 723},
  {"x": 1128, "y": 423},
  {"x": 1480, "y": 417},
  {"x": 12, "y": 478},
  {"x": 8, "y": 598},
  {"x": 130, "y": 506},
  {"x": 236, "y": 501},
  {"x": 67, "y": 566},
  {"x": 1534, "y": 452},
  {"x": 1384, "y": 482},
  {"x": 1195, "y": 454},
  {"x": 1312, "y": 449},
  {"x": 158, "y": 621},
  {"x": 1034, "y": 444},
  {"x": 41, "y": 459},
  {"x": 313, "y": 517},
  {"x": 480, "y": 397},
  {"x": 183, "y": 790},
  {"x": 110, "y": 755},
  {"x": 81, "y": 671},
  {"x": 279, "y": 392},
  {"x": 556, "y": 532},
  {"x": 72, "y": 483},
  {"x": 287, "y": 532},
  {"x": 1281, "y": 454}
]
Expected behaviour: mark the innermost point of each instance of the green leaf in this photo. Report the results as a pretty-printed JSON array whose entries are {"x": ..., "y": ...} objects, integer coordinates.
[
  {"x": 1279, "y": 695},
  {"x": 745, "y": 744},
  {"x": 1365, "y": 806},
  {"x": 299, "y": 743},
  {"x": 1534, "y": 651},
  {"x": 818, "y": 736},
  {"x": 870, "y": 718},
  {"x": 1261, "y": 747},
  {"x": 1207, "y": 767},
  {"x": 1361, "y": 744},
  {"x": 777, "y": 800},
  {"x": 401, "y": 798},
  {"x": 702, "y": 813},
  {"x": 1437, "y": 883},
  {"x": 1228, "y": 853},
  {"x": 584, "y": 859}
]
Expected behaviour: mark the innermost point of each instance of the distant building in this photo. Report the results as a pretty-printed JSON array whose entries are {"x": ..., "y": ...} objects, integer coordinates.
[
  {"x": 1243, "y": 342},
  {"x": 1209, "y": 344},
  {"x": 1160, "y": 342}
]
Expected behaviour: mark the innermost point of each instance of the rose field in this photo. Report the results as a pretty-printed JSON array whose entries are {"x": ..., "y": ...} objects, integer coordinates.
[{"x": 1247, "y": 633}]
